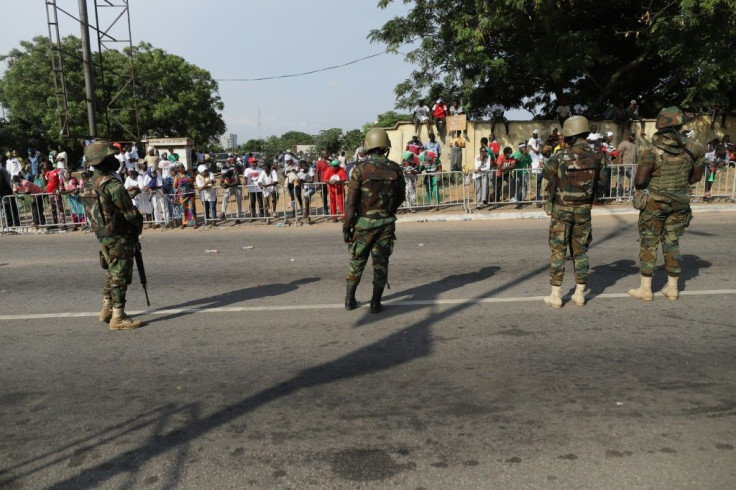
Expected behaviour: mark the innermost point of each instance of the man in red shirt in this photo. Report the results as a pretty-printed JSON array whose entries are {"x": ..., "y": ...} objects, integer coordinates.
[
  {"x": 414, "y": 145},
  {"x": 439, "y": 113},
  {"x": 320, "y": 176},
  {"x": 54, "y": 187},
  {"x": 23, "y": 186}
]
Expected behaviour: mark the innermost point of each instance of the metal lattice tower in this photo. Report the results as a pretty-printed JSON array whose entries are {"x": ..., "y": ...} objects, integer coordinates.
[
  {"x": 112, "y": 29},
  {"x": 113, "y": 33},
  {"x": 57, "y": 68}
]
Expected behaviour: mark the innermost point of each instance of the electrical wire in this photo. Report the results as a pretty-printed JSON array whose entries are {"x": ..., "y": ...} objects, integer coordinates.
[{"x": 292, "y": 75}]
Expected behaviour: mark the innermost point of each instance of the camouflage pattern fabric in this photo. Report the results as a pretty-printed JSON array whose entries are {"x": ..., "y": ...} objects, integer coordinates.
[
  {"x": 376, "y": 189},
  {"x": 669, "y": 117},
  {"x": 569, "y": 225},
  {"x": 662, "y": 220},
  {"x": 118, "y": 228},
  {"x": 118, "y": 253},
  {"x": 378, "y": 242},
  {"x": 579, "y": 172}
]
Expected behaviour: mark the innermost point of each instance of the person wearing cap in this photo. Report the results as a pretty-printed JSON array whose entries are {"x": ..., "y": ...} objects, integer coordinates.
[
  {"x": 153, "y": 186},
  {"x": 230, "y": 181},
  {"x": 534, "y": 149},
  {"x": 117, "y": 224},
  {"x": 609, "y": 150},
  {"x": 497, "y": 115},
  {"x": 665, "y": 171},
  {"x": 410, "y": 167},
  {"x": 205, "y": 183},
  {"x": 521, "y": 174},
  {"x": 293, "y": 187},
  {"x": 439, "y": 115},
  {"x": 574, "y": 173},
  {"x": 336, "y": 178},
  {"x": 134, "y": 184},
  {"x": 481, "y": 173},
  {"x": 625, "y": 162},
  {"x": 323, "y": 165},
  {"x": 414, "y": 145},
  {"x": 54, "y": 183},
  {"x": 255, "y": 193}
]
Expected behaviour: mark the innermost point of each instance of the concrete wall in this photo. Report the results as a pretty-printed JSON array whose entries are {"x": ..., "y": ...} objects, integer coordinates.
[{"x": 522, "y": 130}]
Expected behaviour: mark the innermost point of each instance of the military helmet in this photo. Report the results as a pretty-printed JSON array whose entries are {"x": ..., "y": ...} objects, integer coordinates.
[
  {"x": 575, "y": 125},
  {"x": 98, "y": 151},
  {"x": 376, "y": 138},
  {"x": 670, "y": 116}
]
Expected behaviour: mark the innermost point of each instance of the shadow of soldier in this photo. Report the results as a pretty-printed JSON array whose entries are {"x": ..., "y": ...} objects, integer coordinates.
[
  {"x": 227, "y": 299},
  {"x": 403, "y": 346},
  {"x": 604, "y": 276},
  {"x": 690, "y": 266}
]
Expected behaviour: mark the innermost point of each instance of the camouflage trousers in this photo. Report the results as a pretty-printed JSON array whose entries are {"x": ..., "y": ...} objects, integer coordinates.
[
  {"x": 376, "y": 242},
  {"x": 118, "y": 254},
  {"x": 662, "y": 220},
  {"x": 569, "y": 226}
]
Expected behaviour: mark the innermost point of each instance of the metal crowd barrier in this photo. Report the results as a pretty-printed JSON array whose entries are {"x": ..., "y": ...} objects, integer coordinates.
[
  {"x": 434, "y": 190},
  {"x": 494, "y": 188},
  {"x": 25, "y": 212},
  {"x": 723, "y": 185}
]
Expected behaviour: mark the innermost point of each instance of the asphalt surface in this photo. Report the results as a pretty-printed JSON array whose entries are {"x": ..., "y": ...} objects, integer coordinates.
[{"x": 250, "y": 374}]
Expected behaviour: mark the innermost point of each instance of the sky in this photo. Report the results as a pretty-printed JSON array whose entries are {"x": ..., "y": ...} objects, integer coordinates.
[{"x": 259, "y": 38}]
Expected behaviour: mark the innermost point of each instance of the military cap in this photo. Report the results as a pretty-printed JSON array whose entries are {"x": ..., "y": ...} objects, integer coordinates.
[
  {"x": 670, "y": 116},
  {"x": 98, "y": 151}
]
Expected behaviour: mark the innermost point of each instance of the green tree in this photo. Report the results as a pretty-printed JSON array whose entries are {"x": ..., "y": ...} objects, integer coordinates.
[
  {"x": 329, "y": 139},
  {"x": 352, "y": 140},
  {"x": 386, "y": 120},
  {"x": 174, "y": 98},
  {"x": 292, "y": 138},
  {"x": 531, "y": 53}
]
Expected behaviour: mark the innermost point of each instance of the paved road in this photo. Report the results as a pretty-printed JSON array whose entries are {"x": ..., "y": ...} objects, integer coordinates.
[{"x": 250, "y": 374}]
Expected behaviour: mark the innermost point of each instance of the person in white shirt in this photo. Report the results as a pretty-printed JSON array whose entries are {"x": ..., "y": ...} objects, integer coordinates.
[
  {"x": 481, "y": 174},
  {"x": 563, "y": 111},
  {"x": 456, "y": 109},
  {"x": 153, "y": 186},
  {"x": 13, "y": 165},
  {"x": 305, "y": 177},
  {"x": 61, "y": 155},
  {"x": 134, "y": 185},
  {"x": 534, "y": 147},
  {"x": 255, "y": 194},
  {"x": 205, "y": 183},
  {"x": 268, "y": 180},
  {"x": 580, "y": 109},
  {"x": 421, "y": 116}
]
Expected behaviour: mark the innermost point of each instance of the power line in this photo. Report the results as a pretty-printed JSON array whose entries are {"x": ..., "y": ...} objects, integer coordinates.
[{"x": 311, "y": 71}]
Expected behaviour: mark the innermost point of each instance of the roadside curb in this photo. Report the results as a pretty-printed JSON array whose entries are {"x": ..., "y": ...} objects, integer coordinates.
[{"x": 539, "y": 214}]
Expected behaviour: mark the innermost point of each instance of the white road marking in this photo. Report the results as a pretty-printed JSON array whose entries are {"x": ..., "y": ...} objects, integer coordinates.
[{"x": 429, "y": 302}]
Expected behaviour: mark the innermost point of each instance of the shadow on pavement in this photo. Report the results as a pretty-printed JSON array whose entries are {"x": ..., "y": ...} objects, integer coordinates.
[{"x": 231, "y": 297}]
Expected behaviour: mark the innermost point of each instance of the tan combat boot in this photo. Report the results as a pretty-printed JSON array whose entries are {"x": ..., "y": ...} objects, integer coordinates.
[
  {"x": 555, "y": 298},
  {"x": 670, "y": 290},
  {"x": 121, "y": 321},
  {"x": 644, "y": 291},
  {"x": 579, "y": 296},
  {"x": 106, "y": 311}
]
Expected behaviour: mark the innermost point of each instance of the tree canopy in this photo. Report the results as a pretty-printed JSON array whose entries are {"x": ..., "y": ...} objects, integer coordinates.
[
  {"x": 174, "y": 98},
  {"x": 531, "y": 53}
]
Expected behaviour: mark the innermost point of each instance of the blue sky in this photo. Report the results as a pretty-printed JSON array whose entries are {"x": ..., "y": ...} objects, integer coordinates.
[{"x": 258, "y": 38}]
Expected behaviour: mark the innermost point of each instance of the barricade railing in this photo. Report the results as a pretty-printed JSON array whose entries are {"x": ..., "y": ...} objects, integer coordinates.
[
  {"x": 25, "y": 212},
  {"x": 720, "y": 184},
  {"x": 434, "y": 190},
  {"x": 620, "y": 186},
  {"x": 493, "y": 188}
]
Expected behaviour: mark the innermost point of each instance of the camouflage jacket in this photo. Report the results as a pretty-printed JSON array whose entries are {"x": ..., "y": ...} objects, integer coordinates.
[
  {"x": 109, "y": 208},
  {"x": 578, "y": 173},
  {"x": 672, "y": 158},
  {"x": 380, "y": 187}
]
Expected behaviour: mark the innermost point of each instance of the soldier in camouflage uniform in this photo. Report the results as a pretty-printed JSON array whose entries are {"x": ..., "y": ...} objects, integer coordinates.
[
  {"x": 575, "y": 174},
  {"x": 667, "y": 168},
  {"x": 375, "y": 191},
  {"x": 117, "y": 224}
]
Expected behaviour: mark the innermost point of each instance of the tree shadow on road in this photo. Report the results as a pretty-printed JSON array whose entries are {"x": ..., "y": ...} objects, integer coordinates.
[{"x": 227, "y": 299}]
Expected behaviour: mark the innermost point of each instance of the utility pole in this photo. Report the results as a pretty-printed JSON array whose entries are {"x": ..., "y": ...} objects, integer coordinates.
[{"x": 89, "y": 74}]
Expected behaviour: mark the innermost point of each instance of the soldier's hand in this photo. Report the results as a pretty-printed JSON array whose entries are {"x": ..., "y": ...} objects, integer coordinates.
[{"x": 347, "y": 234}]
